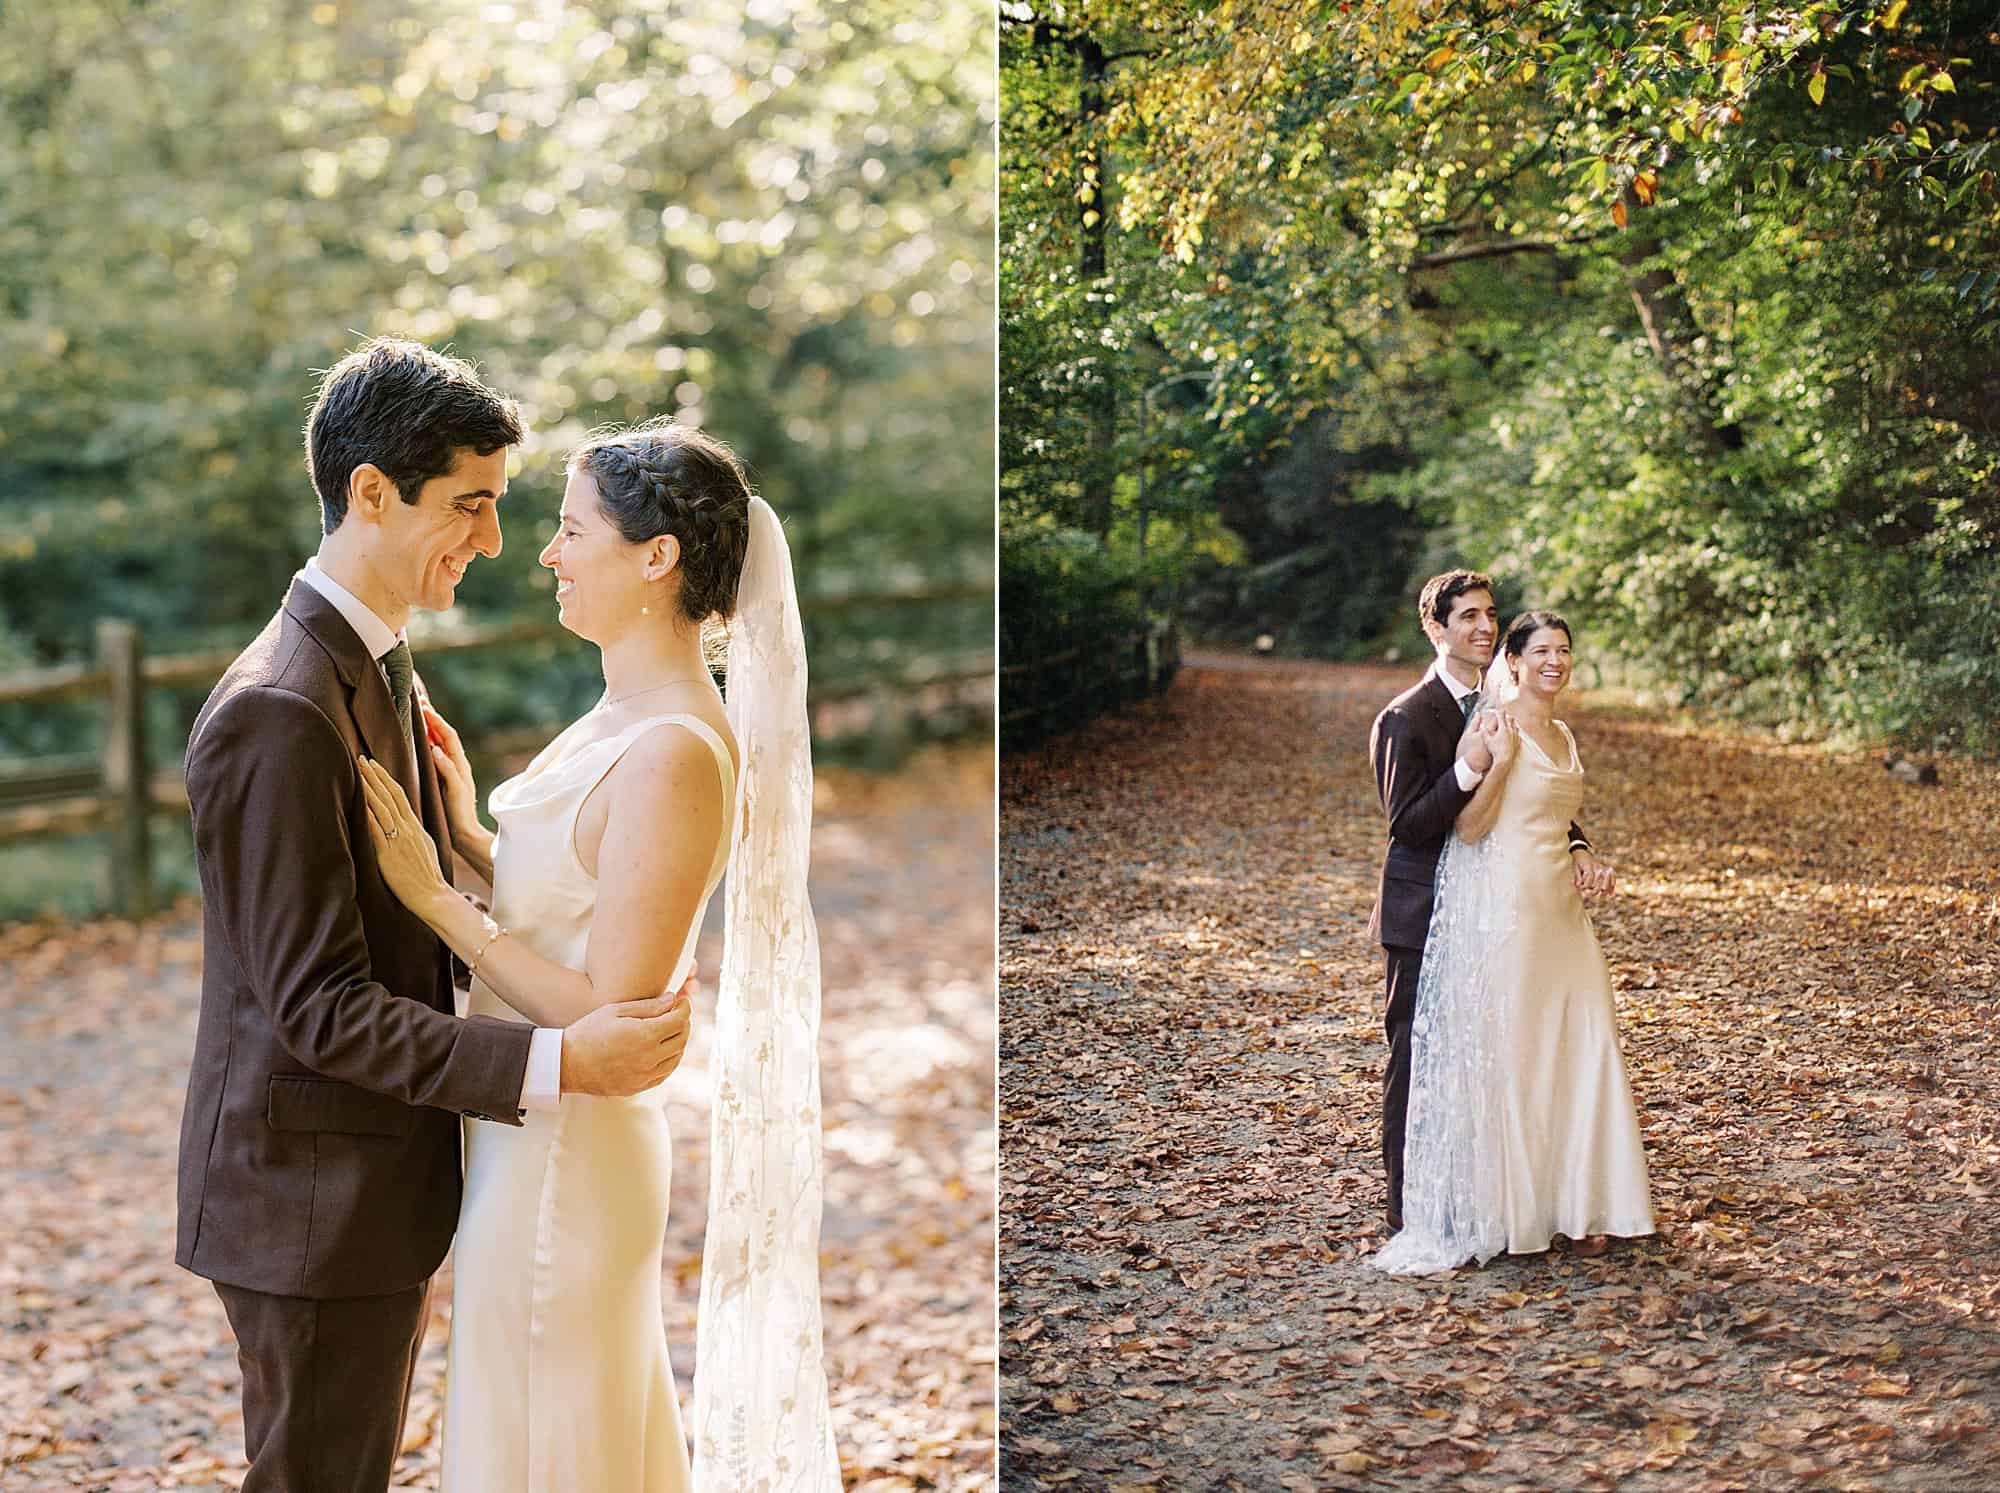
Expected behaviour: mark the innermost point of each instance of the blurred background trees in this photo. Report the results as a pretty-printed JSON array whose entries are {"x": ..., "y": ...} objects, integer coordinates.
[
  {"x": 1682, "y": 318},
  {"x": 774, "y": 218}
]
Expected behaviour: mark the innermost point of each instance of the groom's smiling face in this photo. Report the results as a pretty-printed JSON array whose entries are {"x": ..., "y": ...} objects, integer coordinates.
[
  {"x": 1469, "y": 631},
  {"x": 423, "y": 549}
]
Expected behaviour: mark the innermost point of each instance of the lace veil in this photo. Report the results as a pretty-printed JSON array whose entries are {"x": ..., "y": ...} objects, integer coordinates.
[
  {"x": 761, "y": 1417},
  {"x": 1498, "y": 688},
  {"x": 1458, "y": 1046}
]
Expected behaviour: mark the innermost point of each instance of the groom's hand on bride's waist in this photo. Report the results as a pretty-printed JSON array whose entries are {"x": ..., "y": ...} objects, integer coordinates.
[
  {"x": 626, "y": 1047},
  {"x": 1594, "y": 878}
]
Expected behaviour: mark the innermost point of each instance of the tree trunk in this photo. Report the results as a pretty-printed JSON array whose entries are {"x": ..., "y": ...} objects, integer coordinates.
[
  {"x": 1670, "y": 326},
  {"x": 1093, "y": 172}
]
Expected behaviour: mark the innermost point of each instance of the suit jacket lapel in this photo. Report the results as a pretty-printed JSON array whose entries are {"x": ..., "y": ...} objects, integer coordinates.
[
  {"x": 374, "y": 707},
  {"x": 374, "y": 711},
  {"x": 1450, "y": 718}
]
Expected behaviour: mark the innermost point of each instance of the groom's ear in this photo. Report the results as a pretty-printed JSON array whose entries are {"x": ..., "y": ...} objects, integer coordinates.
[{"x": 369, "y": 491}]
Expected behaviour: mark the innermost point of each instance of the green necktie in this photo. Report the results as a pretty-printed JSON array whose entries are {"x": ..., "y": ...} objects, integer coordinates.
[
  {"x": 396, "y": 663},
  {"x": 1469, "y": 704}
]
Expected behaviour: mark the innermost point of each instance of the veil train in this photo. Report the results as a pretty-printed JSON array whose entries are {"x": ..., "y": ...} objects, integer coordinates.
[{"x": 761, "y": 1415}]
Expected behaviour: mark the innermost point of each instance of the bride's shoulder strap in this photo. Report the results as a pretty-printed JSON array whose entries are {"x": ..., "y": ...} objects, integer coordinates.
[
  {"x": 725, "y": 766},
  {"x": 694, "y": 724},
  {"x": 632, "y": 735}
]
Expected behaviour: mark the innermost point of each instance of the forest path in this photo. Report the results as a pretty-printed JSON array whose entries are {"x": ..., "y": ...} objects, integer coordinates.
[
  {"x": 1804, "y": 950},
  {"x": 118, "y": 1372}
]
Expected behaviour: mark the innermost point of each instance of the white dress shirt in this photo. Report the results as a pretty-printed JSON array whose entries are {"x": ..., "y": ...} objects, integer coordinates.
[
  {"x": 1469, "y": 777},
  {"x": 541, "y": 1085}
]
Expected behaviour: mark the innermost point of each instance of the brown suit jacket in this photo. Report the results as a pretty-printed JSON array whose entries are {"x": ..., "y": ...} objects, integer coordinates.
[{"x": 320, "y": 1144}]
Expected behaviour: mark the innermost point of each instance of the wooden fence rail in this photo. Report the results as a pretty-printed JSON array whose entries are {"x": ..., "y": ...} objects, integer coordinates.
[
  {"x": 1093, "y": 677},
  {"x": 114, "y": 789}
]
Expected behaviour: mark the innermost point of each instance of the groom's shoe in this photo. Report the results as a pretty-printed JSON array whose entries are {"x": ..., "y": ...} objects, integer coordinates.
[{"x": 1395, "y": 1223}]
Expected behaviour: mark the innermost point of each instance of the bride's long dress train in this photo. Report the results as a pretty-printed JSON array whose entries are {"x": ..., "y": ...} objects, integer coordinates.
[
  {"x": 558, "y": 1378},
  {"x": 1521, "y": 1121}
]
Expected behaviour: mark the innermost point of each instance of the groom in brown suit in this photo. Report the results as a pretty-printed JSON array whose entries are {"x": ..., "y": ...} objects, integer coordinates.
[
  {"x": 1424, "y": 783},
  {"x": 319, "y": 1161}
]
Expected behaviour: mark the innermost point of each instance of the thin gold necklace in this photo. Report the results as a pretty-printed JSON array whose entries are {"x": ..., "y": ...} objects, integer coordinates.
[{"x": 607, "y": 702}]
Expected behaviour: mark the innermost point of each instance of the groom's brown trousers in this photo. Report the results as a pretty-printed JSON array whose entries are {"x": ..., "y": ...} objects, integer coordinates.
[
  {"x": 1404, "y": 965},
  {"x": 326, "y": 1385}
]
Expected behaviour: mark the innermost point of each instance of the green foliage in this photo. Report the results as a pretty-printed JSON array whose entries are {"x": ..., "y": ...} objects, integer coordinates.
[
  {"x": 1202, "y": 363},
  {"x": 1683, "y": 318},
  {"x": 1069, "y": 604},
  {"x": 67, "y": 878},
  {"x": 1836, "y": 568},
  {"x": 1068, "y": 590},
  {"x": 775, "y": 219}
]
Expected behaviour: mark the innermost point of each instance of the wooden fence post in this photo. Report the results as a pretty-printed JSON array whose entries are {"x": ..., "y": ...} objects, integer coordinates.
[
  {"x": 112, "y": 788},
  {"x": 127, "y": 785}
]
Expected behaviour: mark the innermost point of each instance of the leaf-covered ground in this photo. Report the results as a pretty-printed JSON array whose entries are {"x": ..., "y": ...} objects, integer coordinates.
[
  {"x": 117, "y": 1370},
  {"x": 1805, "y": 951}
]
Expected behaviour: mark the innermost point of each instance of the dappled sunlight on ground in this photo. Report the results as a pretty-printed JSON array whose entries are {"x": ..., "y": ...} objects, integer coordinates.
[
  {"x": 117, "y": 1371},
  {"x": 1804, "y": 951}
]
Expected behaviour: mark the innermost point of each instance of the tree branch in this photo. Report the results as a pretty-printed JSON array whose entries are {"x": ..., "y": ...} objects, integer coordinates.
[
  {"x": 1498, "y": 249},
  {"x": 1047, "y": 33},
  {"x": 1527, "y": 159}
]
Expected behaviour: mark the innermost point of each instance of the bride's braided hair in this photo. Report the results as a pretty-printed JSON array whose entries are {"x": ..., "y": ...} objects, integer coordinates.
[{"x": 666, "y": 478}]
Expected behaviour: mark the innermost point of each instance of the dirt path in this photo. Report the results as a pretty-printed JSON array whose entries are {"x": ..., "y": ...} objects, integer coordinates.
[
  {"x": 117, "y": 1371},
  {"x": 1805, "y": 950}
]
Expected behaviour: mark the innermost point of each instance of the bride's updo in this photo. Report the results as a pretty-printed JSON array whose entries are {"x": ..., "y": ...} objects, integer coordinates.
[{"x": 664, "y": 478}]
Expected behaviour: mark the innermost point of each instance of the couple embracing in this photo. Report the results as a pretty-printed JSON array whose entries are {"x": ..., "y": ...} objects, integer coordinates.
[
  {"x": 1507, "y": 1119},
  {"x": 381, "y": 1063}
]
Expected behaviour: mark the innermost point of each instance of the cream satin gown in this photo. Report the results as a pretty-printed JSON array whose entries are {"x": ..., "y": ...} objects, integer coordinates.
[
  {"x": 558, "y": 1379},
  {"x": 1521, "y": 1121},
  {"x": 1571, "y": 1159}
]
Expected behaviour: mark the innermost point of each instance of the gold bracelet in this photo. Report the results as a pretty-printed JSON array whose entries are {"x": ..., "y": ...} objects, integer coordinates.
[{"x": 494, "y": 933}]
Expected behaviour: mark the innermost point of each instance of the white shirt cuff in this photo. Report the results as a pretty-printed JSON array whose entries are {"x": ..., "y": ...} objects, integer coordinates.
[
  {"x": 541, "y": 1085},
  {"x": 1469, "y": 777}
]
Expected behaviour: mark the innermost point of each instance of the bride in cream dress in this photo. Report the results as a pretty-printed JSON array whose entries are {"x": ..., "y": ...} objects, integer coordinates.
[
  {"x": 1521, "y": 1122},
  {"x": 609, "y": 847}
]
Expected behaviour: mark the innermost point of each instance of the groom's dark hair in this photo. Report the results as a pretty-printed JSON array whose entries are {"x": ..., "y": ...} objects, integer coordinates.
[
  {"x": 1440, "y": 591},
  {"x": 405, "y": 408}
]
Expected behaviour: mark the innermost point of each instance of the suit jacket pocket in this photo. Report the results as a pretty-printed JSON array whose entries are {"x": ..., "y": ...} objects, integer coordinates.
[{"x": 304, "y": 1102}]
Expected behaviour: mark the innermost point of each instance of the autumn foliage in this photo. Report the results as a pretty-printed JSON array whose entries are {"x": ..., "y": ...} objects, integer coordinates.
[
  {"x": 117, "y": 1370},
  {"x": 1803, "y": 951},
  {"x": 1687, "y": 316}
]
